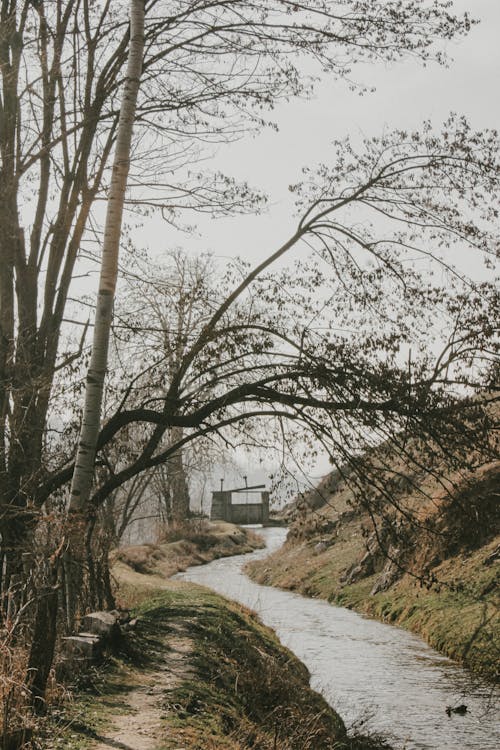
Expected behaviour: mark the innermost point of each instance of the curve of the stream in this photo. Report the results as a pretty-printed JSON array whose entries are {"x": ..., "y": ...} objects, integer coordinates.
[{"x": 379, "y": 678}]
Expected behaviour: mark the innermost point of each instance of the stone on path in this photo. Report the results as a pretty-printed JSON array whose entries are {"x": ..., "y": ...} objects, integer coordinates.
[{"x": 104, "y": 624}]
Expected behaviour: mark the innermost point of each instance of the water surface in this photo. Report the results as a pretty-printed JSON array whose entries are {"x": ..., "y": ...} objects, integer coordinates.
[{"x": 378, "y": 677}]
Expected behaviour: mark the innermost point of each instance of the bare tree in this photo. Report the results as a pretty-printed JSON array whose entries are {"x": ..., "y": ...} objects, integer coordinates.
[
  {"x": 164, "y": 306},
  {"x": 91, "y": 419},
  {"x": 209, "y": 70},
  {"x": 248, "y": 362}
]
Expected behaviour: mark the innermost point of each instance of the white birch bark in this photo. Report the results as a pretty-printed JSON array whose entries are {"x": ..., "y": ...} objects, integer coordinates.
[{"x": 84, "y": 466}]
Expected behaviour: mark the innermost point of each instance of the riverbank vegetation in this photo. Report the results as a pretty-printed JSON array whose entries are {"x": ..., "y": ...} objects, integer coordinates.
[
  {"x": 204, "y": 674},
  {"x": 431, "y": 565},
  {"x": 194, "y": 542}
]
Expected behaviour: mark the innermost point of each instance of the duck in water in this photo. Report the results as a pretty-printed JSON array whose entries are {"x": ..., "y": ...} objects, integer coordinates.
[{"x": 461, "y": 709}]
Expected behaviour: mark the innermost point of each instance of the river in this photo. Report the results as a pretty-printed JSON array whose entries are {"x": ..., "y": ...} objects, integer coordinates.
[{"x": 378, "y": 677}]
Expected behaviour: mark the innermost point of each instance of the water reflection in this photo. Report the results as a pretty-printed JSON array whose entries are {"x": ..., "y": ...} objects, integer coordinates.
[{"x": 376, "y": 676}]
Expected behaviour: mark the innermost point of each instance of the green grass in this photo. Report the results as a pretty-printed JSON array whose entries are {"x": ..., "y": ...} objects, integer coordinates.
[
  {"x": 459, "y": 616},
  {"x": 243, "y": 689}
]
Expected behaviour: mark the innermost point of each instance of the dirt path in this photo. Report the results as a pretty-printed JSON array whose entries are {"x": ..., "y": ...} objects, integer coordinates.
[{"x": 138, "y": 724}]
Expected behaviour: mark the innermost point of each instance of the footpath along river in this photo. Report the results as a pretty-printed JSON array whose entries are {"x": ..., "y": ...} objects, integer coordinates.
[{"x": 379, "y": 678}]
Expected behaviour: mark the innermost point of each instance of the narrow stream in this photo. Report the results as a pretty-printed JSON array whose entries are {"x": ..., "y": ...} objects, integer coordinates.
[{"x": 379, "y": 678}]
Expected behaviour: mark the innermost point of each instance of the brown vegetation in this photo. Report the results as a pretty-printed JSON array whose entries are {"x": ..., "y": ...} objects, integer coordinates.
[
  {"x": 187, "y": 544},
  {"x": 429, "y": 560}
]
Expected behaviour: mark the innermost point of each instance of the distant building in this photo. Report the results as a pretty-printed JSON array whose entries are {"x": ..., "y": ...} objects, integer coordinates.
[{"x": 233, "y": 505}]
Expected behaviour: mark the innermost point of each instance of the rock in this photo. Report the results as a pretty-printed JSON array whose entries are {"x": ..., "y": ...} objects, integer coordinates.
[
  {"x": 83, "y": 645},
  {"x": 85, "y": 648},
  {"x": 352, "y": 574},
  {"x": 374, "y": 559},
  {"x": 363, "y": 568},
  {"x": 390, "y": 574},
  {"x": 69, "y": 667},
  {"x": 104, "y": 624},
  {"x": 492, "y": 557},
  {"x": 321, "y": 546},
  {"x": 132, "y": 624},
  {"x": 122, "y": 615}
]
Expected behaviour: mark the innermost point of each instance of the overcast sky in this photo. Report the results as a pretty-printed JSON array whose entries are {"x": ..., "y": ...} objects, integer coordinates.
[{"x": 406, "y": 94}]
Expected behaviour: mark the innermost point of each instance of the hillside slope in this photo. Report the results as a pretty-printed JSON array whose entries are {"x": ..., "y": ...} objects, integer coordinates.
[{"x": 431, "y": 565}]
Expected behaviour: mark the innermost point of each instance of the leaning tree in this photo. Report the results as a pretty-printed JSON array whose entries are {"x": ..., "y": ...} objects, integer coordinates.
[
  {"x": 340, "y": 344},
  {"x": 209, "y": 72}
]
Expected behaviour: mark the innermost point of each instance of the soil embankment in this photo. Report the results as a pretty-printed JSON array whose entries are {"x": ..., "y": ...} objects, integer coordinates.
[
  {"x": 198, "y": 672},
  {"x": 437, "y": 576},
  {"x": 192, "y": 544},
  {"x": 201, "y": 673}
]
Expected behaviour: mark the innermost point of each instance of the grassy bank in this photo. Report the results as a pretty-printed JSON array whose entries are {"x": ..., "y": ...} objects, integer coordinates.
[
  {"x": 456, "y": 616},
  {"x": 200, "y": 672},
  {"x": 195, "y": 543},
  {"x": 454, "y": 606},
  {"x": 139, "y": 568},
  {"x": 464, "y": 624}
]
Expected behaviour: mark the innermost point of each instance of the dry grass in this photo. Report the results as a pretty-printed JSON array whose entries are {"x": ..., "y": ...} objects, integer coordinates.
[
  {"x": 190, "y": 544},
  {"x": 17, "y": 722},
  {"x": 13, "y": 694},
  {"x": 449, "y": 592}
]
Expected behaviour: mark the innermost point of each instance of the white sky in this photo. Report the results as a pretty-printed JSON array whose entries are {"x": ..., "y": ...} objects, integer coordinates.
[{"x": 406, "y": 94}]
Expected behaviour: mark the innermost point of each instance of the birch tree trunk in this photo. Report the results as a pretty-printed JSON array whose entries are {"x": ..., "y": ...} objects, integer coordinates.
[{"x": 84, "y": 466}]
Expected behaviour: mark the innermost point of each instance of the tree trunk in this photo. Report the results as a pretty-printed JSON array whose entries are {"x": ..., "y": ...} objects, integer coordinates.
[
  {"x": 178, "y": 490},
  {"x": 43, "y": 643},
  {"x": 84, "y": 465}
]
